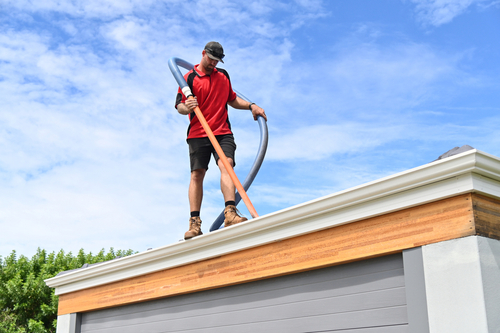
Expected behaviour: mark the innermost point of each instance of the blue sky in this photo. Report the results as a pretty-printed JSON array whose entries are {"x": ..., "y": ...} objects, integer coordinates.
[{"x": 93, "y": 153}]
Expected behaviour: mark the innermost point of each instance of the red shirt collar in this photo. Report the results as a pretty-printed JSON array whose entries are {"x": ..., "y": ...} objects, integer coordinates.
[{"x": 200, "y": 73}]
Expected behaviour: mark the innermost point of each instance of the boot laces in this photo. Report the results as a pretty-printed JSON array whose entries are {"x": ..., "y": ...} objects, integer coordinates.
[{"x": 234, "y": 210}]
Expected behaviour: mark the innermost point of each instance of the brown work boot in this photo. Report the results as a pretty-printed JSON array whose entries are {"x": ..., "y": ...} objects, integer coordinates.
[
  {"x": 194, "y": 228},
  {"x": 232, "y": 217}
]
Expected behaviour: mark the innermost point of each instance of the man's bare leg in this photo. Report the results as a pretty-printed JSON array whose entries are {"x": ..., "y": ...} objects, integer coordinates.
[
  {"x": 195, "y": 194},
  {"x": 228, "y": 189},
  {"x": 226, "y": 183}
]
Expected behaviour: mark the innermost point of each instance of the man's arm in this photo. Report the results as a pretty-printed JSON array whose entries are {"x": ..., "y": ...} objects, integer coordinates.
[{"x": 241, "y": 104}]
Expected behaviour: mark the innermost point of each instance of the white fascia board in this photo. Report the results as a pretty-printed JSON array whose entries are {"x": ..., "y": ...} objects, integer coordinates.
[{"x": 471, "y": 171}]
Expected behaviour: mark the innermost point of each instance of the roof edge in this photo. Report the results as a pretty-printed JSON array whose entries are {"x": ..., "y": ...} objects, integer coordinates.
[{"x": 457, "y": 174}]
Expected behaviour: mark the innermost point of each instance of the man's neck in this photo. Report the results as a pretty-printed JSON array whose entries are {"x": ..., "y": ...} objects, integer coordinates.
[{"x": 204, "y": 70}]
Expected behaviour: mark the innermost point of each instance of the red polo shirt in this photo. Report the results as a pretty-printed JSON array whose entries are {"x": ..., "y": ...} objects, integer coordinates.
[{"x": 212, "y": 92}]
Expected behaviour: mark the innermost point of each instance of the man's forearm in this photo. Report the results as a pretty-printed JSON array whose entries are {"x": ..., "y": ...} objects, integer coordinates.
[
  {"x": 239, "y": 103},
  {"x": 183, "y": 109}
]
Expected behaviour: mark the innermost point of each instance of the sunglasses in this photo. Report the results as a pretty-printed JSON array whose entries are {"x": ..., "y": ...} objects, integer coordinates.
[{"x": 215, "y": 53}]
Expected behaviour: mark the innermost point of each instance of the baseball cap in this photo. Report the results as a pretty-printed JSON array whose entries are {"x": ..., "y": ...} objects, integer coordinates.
[{"x": 215, "y": 51}]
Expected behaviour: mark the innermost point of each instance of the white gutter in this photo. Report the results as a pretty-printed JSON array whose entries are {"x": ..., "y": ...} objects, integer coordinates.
[{"x": 471, "y": 171}]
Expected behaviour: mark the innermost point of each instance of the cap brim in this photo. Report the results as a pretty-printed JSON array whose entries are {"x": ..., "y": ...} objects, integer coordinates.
[{"x": 211, "y": 56}]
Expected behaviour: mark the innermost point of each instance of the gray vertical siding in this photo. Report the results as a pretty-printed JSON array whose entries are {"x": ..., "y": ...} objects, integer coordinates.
[{"x": 362, "y": 297}]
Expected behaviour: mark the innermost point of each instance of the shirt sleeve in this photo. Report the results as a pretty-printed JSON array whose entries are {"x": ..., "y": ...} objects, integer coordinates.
[
  {"x": 180, "y": 98},
  {"x": 232, "y": 94}
]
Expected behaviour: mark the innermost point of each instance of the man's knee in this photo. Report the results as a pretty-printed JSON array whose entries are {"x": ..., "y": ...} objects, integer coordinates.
[
  {"x": 221, "y": 165},
  {"x": 198, "y": 175}
]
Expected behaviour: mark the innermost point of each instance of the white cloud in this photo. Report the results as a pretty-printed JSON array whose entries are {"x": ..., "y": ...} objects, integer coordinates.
[
  {"x": 129, "y": 33},
  {"x": 392, "y": 77},
  {"x": 439, "y": 12},
  {"x": 87, "y": 8},
  {"x": 361, "y": 100},
  {"x": 94, "y": 155},
  {"x": 319, "y": 142},
  {"x": 86, "y": 150}
]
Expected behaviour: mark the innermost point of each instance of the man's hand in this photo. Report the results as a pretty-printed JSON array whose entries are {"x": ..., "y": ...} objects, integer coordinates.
[
  {"x": 191, "y": 104},
  {"x": 258, "y": 111},
  {"x": 188, "y": 106}
]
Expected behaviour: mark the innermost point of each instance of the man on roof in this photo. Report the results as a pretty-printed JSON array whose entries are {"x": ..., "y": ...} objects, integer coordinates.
[{"x": 212, "y": 92}]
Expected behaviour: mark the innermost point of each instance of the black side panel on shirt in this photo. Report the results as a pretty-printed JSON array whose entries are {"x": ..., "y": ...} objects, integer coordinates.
[
  {"x": 223, "y": 71},
  {"x": 189, "y": 81},
  {"x": 178, "y": 99}
]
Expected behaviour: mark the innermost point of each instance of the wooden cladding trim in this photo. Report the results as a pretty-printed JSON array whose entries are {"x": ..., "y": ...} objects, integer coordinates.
[
  {"x": 486, "y": 216},
  {"x": 391, "y": 233}
]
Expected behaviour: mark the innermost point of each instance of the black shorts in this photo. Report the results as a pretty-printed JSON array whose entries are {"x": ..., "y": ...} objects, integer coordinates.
[{"x": 201, "y": 149}]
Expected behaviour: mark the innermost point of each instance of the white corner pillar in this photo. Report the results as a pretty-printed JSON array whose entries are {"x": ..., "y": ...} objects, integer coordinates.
[
  {"x": 462, "y": 283},
  {"x": 416, "y": 298},
  {"x": 68, "y": 323}
]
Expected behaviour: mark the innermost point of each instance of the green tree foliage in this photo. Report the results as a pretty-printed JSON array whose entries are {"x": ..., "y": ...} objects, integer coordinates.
[{"x": 27, "y": 305}]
